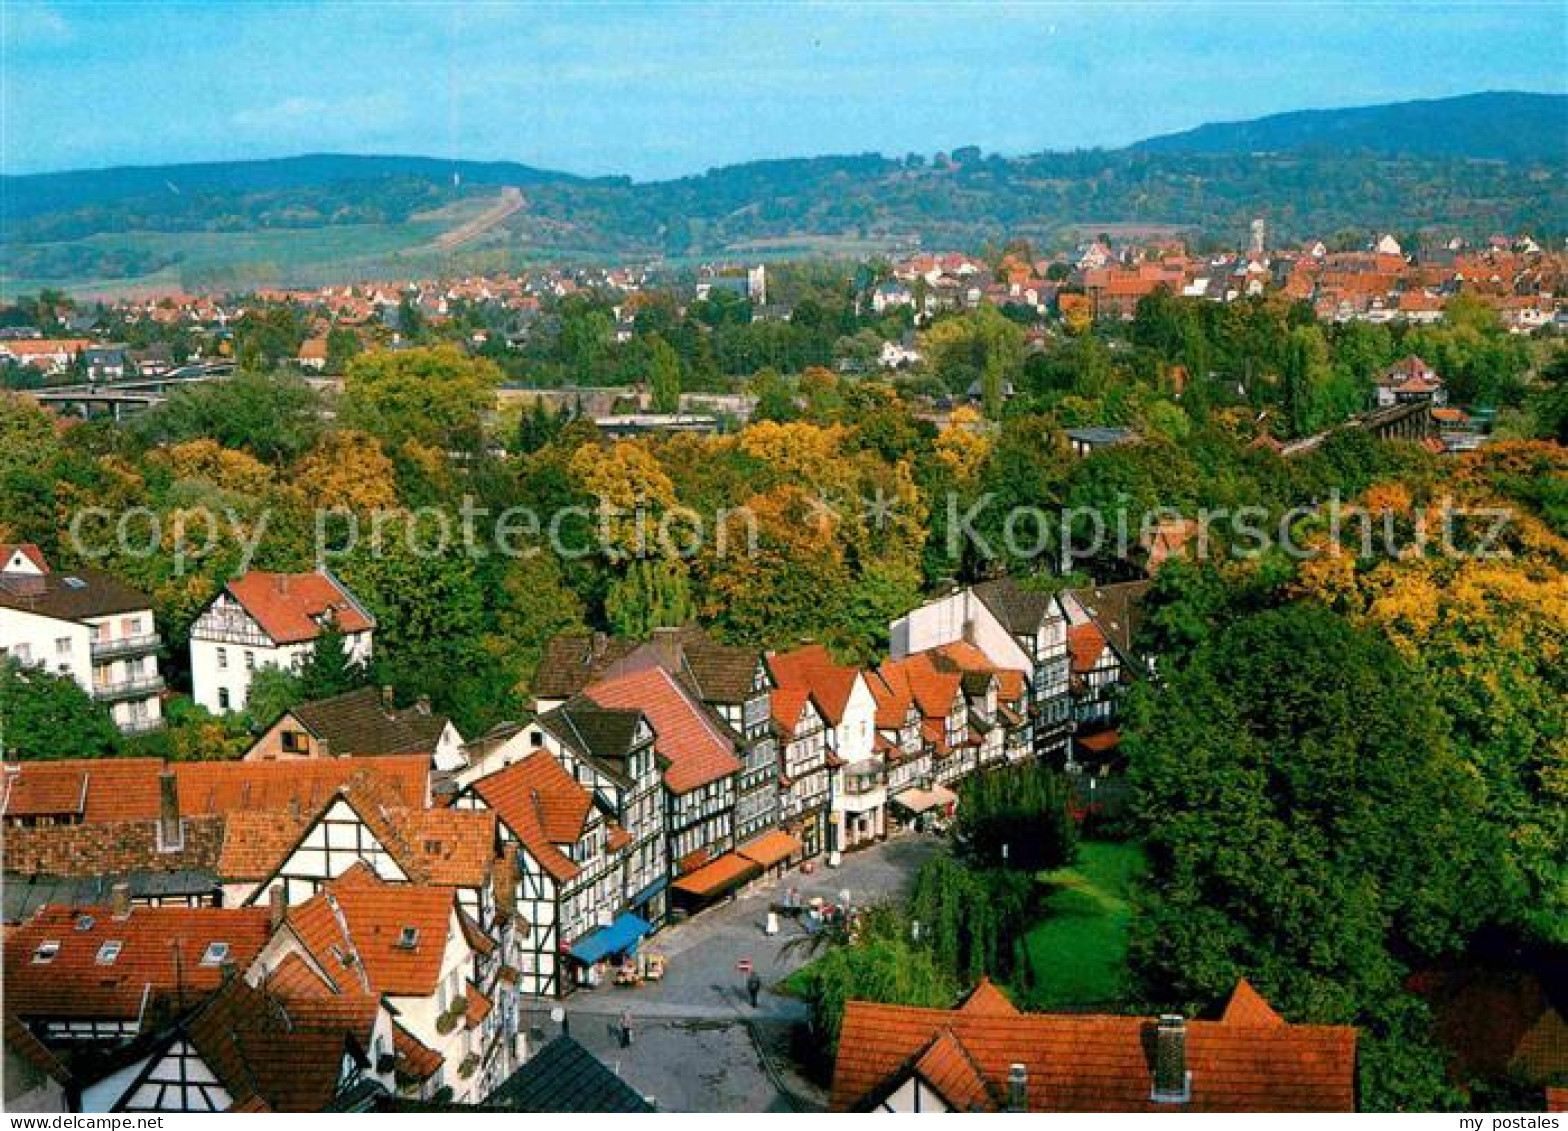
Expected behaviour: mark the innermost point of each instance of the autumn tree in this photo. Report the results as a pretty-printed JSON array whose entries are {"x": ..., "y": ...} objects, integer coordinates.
[
  {"x": 348, "y": 469},
  {"x": 437, "y": 397}
]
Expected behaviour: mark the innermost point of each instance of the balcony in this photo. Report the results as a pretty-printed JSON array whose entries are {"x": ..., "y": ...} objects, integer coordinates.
[
  {"x": 127, "y": 646},
  {"x": 140, "y": 726},
  {"x": 137, "y": 688}
]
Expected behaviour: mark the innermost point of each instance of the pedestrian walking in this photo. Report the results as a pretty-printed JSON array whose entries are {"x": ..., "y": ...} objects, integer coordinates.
[
  {"x": 753, "y": 988},
  {"x": 626, "y": 1030}
]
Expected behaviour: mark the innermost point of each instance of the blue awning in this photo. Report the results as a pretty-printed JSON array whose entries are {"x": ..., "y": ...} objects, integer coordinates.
[
  {"x": 621, "y": 935},
  {"x": 650, "y": 891}
]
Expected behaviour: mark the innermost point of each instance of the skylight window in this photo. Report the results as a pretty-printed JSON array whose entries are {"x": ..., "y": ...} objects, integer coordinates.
[
  {"x": 109, "y": 951},
  {"x": 74, "y": 582},
  {"x": 215, "y": 953},
  {"x": 408, "y": 938},
  {"x": 46, "y": 951},
  {"x": 85, "y": 922}
]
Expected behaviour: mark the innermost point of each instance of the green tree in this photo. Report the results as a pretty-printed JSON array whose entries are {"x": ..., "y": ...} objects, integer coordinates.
[
  {"x": 664, "y": 374},
  {"x": 273, "y": 690},
  {"x": 969, "y": 918},
  {"x": 435, "y": 397},
  {"x": 275, "y": 417},
  {"x": 887, "y": 968},
  {"x": 1016, "y": 817},
  {"x": 1303, "y": 376},
  {"x": 343, "y": 346},
  {"x": 1308, "y": 823},
  {"x": 330, "y": 669},
  {"x": 652, "y": 593},
  {"x": 46, "y": 716}
]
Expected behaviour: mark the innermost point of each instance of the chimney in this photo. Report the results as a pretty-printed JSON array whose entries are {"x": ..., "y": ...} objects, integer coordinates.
[
  {"x": 323, "y": 748},
  {"x": 120, "y": 900},
  {"x": 667, "y": 643},
  {"x": 504, "y": 882},
  {"x": 171, "y": 833},
  {"x": 283, "y": 583},
  {"x": 1017, "y": 1088},
  {"x": 386, "y": 696},
  {"x": 422, "y": 704},
  {"x": 277, "y": 907},
  {"x": 1171, "y": 1079}
]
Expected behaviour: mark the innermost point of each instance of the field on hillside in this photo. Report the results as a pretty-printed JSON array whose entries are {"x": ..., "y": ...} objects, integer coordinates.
[{"x": 236, "y": 261}]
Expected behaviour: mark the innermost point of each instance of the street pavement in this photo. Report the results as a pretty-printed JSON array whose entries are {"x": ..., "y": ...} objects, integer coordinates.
[
  {"x": 697, "y": 1044},
  {"x": 701, "y": 976}
]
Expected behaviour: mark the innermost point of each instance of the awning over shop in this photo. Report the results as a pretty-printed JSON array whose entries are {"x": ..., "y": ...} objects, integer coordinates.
[
  {"x": 771, "y": 848},
  {"x": 726, "y": 872},
  {"x": 650, "y": 891},
  {"x": 918, "y": 801},
  {"x": 621, "y": 935}
]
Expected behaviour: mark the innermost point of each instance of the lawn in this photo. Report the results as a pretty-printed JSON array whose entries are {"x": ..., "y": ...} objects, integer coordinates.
[{"x": 1079, "y": 949}]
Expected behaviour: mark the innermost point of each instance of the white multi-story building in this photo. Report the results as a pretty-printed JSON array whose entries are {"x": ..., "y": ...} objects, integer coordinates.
[
  {"x": 848, "y": 709},
  {"x": 85, "y": 624},
  {"x": 270, "y": 619}
]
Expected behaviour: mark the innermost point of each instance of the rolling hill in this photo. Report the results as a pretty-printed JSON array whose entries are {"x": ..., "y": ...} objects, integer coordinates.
[
  {"x": 1476, "y": 164},
  {"x": 40, "y": 193},
  {"x": 1495, "y": 125}
]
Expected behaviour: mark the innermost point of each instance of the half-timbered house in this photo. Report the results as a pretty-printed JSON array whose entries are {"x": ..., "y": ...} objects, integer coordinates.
[
  {"x": 413, "y": 946},
  {"x": 569, "y": 898},
  {"x": 95, "y": 978},
  {"x": 270, "y": 619}
]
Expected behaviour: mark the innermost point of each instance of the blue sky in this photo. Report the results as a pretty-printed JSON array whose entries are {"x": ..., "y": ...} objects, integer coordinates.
[{"x": 661, "y": 89}]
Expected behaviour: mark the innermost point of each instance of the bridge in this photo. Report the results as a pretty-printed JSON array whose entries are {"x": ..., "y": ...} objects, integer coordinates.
[{"x": 130, "y": 394}]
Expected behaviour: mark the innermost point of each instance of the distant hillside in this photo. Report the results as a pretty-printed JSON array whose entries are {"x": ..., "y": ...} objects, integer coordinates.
[
  {"x": 318, "y": 219},
  {"x": 1504, "y": 126},
  {"x": 32, "y": 195}
]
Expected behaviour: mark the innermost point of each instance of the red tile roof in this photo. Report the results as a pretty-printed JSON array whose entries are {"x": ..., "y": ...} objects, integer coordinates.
[
  {"x": 415, "y": 1059},
  {"x": 377, "y": 914},
  {"x": 159, "y": 958},
  {"x": 1247, "y": 1007},
  {"x": 947, "y": 1066},
  {"x": 435, "y": 846},
  {"x": 811, "y": 670},
  {"x": 543, "y": 806},
  {"x": 280, "y": 1047},
  {"x": 693, "y": 749},
  {"x": 965, "y": 657},
  {"x": 918, "y": 678},
  {"x": 107, "y": 789},
  {"x": 29, "y": 550},
  {"x": 987, "y": 1000},
  {"x": 224, "y": 787},
  {"x": 1086, "y": 1063},
  {"x": 291, "y": 607},
  {"x": 1087, "y": 644}
]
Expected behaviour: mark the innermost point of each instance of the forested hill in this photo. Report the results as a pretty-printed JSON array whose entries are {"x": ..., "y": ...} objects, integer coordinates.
[
  {"x": 55, "y": 192},
  {"x": 312, "y": 220},
  {"x": 1496, "y": 125}
]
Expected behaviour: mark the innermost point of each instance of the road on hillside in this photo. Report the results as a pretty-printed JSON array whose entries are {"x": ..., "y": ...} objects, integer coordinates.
[{"x": 511, "y": 202}]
